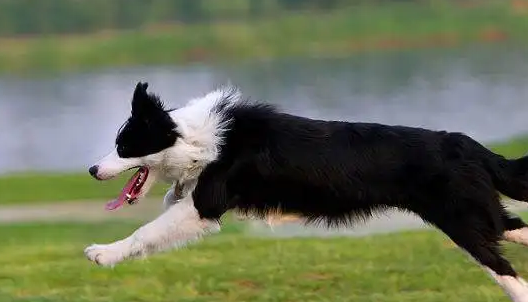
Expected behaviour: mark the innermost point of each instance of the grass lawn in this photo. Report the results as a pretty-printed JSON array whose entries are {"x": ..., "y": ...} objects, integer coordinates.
[
  {"x": 44, "y": 263},
  {"x": 39, "y": 187}
]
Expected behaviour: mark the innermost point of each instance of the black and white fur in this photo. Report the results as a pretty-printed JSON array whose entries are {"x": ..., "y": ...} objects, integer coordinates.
[{"x": 235, "y": 154}]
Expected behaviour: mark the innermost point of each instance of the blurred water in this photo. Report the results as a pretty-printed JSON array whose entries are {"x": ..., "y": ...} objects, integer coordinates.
[{"x": 66, "y": 122}]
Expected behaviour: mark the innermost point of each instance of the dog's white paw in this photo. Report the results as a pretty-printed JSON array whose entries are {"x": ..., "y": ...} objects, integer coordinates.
[{"x": 106, "y": 254}]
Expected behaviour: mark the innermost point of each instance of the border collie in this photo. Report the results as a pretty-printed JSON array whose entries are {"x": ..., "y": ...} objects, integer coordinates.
[{"x": 223, "y": 152}]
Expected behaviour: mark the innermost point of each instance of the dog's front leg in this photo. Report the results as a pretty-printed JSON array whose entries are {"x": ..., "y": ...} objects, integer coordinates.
[{"x": 176, "y": 227}]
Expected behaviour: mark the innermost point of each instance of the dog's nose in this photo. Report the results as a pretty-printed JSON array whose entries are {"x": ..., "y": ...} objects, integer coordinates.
[{"x": 93, "y": 171}]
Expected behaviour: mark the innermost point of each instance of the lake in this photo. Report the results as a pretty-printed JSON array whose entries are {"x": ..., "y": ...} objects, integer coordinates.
[{"x": 66, "y": 122}]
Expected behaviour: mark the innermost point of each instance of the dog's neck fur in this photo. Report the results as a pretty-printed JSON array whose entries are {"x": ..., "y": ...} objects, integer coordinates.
[{"x": 201, "y": 123}]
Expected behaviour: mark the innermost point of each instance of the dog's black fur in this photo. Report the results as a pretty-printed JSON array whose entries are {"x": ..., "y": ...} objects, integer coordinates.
[{"x": 337, "y": 172}]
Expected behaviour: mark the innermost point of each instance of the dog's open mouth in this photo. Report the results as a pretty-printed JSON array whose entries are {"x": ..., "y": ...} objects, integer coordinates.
[{"x": 131, "y": 191}]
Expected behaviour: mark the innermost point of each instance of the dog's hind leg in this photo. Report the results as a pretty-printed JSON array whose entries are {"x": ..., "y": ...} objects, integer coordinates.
[
  {"x": 482, "y": 243},
  {"x": 516, "y": 230}
]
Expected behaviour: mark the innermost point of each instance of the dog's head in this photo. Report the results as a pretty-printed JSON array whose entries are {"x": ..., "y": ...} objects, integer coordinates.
[
  {"x": 174, "y": 145},
  {"x": 142, "y": 143}
]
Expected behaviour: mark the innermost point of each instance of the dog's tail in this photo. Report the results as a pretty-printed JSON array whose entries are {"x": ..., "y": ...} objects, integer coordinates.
[{"x": 510, "y": 176}]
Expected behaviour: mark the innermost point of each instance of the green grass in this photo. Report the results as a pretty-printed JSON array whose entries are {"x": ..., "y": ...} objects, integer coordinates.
[
  {"x": 513, "y": 148},
  {"x": 44, "y": 263},
  {"x": 335, "y": 33},
  {"x": 40, "y": 187}
]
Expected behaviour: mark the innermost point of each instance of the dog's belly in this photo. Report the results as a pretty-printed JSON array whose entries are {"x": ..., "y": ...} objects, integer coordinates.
[{"x": 292, "y": 203}]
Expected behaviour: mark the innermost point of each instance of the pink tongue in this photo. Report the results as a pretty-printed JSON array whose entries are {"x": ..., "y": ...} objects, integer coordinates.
[
  {"x": 120, "y": 200},
  {"x": 114, "y": 204}
]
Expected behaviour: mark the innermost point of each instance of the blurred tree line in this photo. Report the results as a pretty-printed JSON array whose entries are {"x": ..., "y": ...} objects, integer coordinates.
[{"x": 27, "y": 17}]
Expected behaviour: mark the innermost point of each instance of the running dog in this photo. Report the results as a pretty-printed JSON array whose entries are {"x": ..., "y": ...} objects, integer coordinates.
[{"x": 224, "y": 152}]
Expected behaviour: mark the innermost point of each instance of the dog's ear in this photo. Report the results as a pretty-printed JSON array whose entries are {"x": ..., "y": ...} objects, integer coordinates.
[
  {"x": 144, "y": 103},
  {"x": 141, "y": 89}
]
